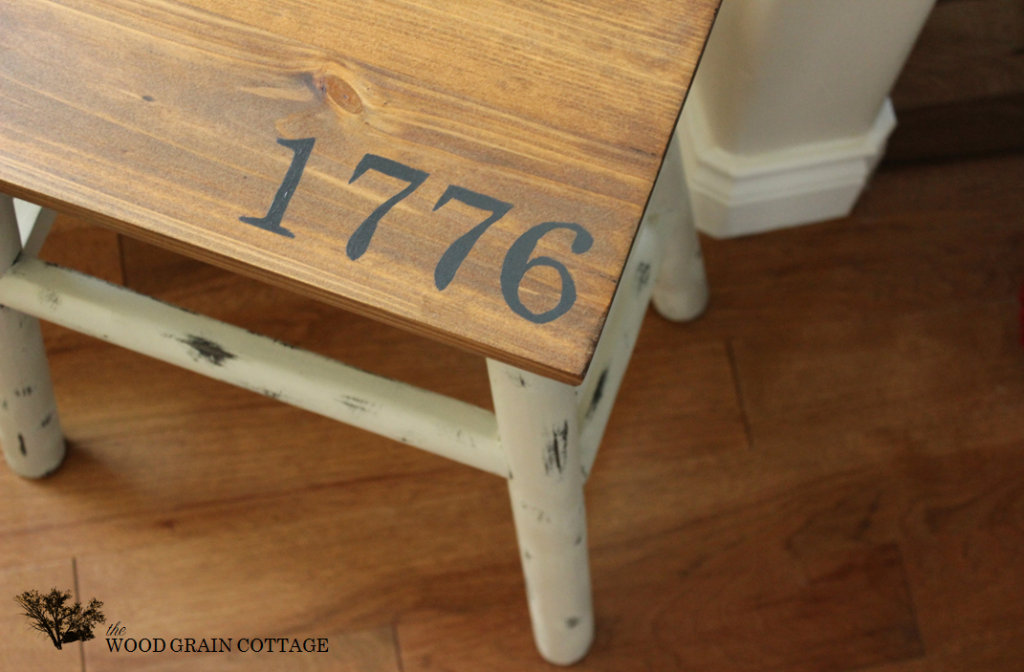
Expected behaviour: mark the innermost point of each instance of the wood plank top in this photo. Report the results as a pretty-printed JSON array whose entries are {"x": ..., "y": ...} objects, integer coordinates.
[{"x": 473, "y": 171}]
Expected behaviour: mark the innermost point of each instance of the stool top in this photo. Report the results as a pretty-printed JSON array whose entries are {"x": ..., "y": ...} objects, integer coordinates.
[{"x": 474, "y": 171}]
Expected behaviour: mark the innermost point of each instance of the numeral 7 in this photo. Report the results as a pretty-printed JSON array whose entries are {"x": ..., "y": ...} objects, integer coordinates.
[
  {"x": 453, "y": 257},
  {"x": 360, "y": 239}
]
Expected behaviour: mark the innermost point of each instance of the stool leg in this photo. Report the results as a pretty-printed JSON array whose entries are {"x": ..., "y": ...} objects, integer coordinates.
[
  {"x": 539, "y": 428},
  {"x": 681, "y": 289},
  {"x": 30, "y": 432}
]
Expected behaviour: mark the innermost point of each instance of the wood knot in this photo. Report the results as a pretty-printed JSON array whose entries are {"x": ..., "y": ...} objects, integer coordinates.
[{"x": 341, "y": 93}]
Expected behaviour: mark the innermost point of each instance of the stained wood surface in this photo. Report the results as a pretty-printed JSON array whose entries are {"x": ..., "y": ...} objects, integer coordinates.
[
  {"x": 162, "y": 119},
  {"x": 822, "y": 474}
]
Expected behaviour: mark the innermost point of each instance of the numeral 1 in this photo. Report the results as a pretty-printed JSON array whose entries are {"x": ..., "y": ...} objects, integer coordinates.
[{"x": 272, "y": 220}]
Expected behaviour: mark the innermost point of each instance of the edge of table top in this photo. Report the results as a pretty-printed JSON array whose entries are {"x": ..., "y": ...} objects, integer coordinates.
[{"x": 476, "y": 174}]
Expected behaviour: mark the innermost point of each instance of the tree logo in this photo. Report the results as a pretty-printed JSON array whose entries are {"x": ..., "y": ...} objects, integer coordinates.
[{"x": 54, "y": 616}]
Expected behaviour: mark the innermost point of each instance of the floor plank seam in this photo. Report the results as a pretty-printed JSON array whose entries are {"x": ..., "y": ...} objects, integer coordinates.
[
  {"x": 739, "y": 392},
  {"x": 398, "y": 647}
]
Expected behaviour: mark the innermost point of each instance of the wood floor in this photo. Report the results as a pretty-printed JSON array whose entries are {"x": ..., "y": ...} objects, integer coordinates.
[{"x": 824, "y": 473}]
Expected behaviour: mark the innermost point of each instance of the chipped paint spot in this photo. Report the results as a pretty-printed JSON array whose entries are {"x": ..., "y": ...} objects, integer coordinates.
[
  {"x": 556, "y": 452},
  {"x": 572, "y": 622},
  {"x": 271, "y": 393},
  {"x": 595, "y": 398},
  {"x": 201, "y": 349},
  {"x": 21, "y": 444}
]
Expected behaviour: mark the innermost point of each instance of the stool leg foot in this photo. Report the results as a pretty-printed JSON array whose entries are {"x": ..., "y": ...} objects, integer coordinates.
[
  {"x": 30, "y": 432},
  {"x": 539, "y": 428},
  {"x": 681, "y": 289}
]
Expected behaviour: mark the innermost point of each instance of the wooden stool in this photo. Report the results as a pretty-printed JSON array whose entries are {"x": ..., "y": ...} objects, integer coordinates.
[{"x": 477, "y": 175}]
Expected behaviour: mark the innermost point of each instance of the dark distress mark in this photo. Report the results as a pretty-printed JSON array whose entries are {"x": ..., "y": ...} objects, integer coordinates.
[
  {"x": 557, "y": 452},
  {"x": 206, "y": 350},
  {"x": 21, "y": 444},
  {"x": 517, "y": 263},
  {"x": 362, "y": 236},
  {"x": 24, "y": 391},
  {"x": 572, "y": 622},
  {"x": 643, "y": 275},
  {"x": 47, "y": 420},
  {"x": 595, "y": 398},
  {"x": 453, "y": 257},
  {"x": 579, "y": 540},
  {"x": 148, "y": 99},
  {"x": 272, "y": 221},
  {"x": 355, "y": 403}
]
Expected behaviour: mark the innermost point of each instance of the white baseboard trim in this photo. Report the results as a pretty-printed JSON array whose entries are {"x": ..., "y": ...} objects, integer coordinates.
[{"x": 737, "y": 195}]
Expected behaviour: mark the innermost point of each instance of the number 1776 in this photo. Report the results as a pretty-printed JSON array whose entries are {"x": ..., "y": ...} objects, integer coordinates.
[{"x": 517, "y": 260}]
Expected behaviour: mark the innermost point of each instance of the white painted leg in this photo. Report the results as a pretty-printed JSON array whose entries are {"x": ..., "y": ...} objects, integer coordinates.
[
  {"x": 539, "y": 428},
  {"x": 30, "y": 432},
  {"x": 681, "y": 289},
  {"x": 615, "y": 347}
]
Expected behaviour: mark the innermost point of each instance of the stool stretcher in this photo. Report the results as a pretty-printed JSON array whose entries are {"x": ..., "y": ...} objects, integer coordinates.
[{"x": 423, "y": 419}]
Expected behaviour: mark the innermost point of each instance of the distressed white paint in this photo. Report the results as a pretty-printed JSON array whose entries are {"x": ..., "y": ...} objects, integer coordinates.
[
  {"x": 787, "y": 114},
  {"x": 30, "y": 432},
  {"x": 35, "y": 223},
  {"x": 423, "y": 419},
  {"x": 599, "y": 390},
  {"x": 539, "y": 428},
  {"x": 666, "y": 260},
  {"x": 26, "y": 213},
  {"x": 681, "y": 290}
]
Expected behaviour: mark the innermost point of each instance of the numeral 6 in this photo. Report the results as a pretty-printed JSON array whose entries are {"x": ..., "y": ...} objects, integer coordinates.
[{"x": 517, "y": 263}]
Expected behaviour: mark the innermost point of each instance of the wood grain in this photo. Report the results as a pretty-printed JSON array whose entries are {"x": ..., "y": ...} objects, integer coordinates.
[{"x": 161, "y": 119}]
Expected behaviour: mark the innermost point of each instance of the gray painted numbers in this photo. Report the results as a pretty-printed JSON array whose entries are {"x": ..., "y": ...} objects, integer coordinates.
[
  {"x": 272, "y": 220},
  {"x": 517, "y": 261}
]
